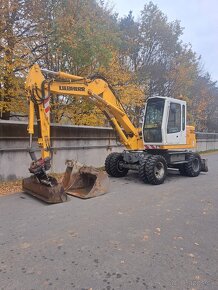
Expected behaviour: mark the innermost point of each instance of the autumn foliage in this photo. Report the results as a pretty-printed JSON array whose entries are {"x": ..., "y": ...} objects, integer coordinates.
[{"x": 86, "y": 37}]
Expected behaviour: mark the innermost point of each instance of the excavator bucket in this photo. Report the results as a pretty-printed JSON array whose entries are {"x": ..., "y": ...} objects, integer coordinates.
[
  {"x": 50, "y": 194},
  {"x": 83, "y": 181}
]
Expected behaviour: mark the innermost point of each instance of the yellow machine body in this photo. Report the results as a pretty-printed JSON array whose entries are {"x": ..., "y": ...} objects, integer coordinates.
[{"x": 41, "y": 84}]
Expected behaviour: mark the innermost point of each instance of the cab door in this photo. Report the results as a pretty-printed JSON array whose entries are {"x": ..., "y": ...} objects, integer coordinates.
[{"x": 176, "y": 127}]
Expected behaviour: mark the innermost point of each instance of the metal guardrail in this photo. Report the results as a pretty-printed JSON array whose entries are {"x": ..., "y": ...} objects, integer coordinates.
[
  {"x": 206, "y": 135},
  {"x": 62, "y": 148},
  {"x": 56, "y": 125},
  {"x": 58, "y": 138}
]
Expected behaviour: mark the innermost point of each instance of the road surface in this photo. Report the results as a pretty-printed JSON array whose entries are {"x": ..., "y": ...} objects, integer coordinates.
[{"x": 135, "y": 237}]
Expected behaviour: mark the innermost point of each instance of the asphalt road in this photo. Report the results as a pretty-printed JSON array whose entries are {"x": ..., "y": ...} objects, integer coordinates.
[{"x": 135, "y": 237}]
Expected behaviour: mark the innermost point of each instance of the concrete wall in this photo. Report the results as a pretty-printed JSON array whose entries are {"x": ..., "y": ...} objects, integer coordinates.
[
  {"x": 207, "y": 141},
  {"x": 88, "y": 145}
]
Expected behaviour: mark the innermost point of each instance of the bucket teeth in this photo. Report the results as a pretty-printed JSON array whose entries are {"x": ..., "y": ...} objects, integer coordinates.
[{"x": 49, "y": 194}]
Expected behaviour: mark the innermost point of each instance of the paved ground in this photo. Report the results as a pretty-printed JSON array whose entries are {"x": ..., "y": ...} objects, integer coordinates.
[{"x": 136, "y": 237}]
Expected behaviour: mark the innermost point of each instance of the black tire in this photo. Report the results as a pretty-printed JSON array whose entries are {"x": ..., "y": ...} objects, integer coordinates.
[
  {"x": 193, "y": 166},
  {"x": 142, "y": 171},
  {"x": 107, "y": 163},
  {"x": 182, "y": 170},
  {"x": 156, "y": 169},
  {"x": 113, "y": 167}
]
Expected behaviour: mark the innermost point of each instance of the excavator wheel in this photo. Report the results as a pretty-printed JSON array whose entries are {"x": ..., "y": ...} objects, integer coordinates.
[
  {"x": 193, "y": 167},
  {"x": 156, "y": 169},
  {"x": 182, "y": 170},
  {"x": 107, "y": 163},
  {"x": 112, "y": 165},
  {"x": 142, "y": 171}
]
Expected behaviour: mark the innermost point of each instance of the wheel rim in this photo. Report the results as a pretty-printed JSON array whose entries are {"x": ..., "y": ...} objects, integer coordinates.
[
  {"x": 159, "y": 170},
  {"x": 119, "y": 166},
  {"x": 195, "y": 164}
]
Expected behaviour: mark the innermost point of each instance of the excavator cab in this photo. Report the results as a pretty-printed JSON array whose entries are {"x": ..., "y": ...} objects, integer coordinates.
[{"x": 165, "y": 123}]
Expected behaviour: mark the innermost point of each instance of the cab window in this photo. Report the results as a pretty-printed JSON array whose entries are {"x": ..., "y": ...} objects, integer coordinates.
[
  {"x": 174, "y": 121},
  {"x": 183, "y": 117},
  {"x": 153, "y": 120}
]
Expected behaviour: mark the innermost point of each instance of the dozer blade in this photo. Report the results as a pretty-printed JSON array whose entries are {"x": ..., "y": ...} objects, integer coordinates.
[
  {"x": 83, "y": 181},
  {"x": 49, "y": 194}
]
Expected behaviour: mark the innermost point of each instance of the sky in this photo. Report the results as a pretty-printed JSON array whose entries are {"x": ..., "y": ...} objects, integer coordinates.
[{"x": 199, "y": 19}]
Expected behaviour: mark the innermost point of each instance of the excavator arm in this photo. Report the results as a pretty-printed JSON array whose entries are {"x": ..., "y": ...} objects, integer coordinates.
[{"x": 97, "y": 91}]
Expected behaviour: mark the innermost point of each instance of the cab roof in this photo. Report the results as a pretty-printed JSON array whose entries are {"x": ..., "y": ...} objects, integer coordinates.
[{"x": 168, "y": 99}]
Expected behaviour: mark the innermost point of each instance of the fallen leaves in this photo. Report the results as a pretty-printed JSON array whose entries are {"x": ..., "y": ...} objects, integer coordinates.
[
  {"x": 73, "y": 234},
  {"x": 145, "y": 238},
  {"x": 157, "y": 231},
  {"x": 10, "y": 187},
  {"x": 207, "y": 206},
  {"x": 116, "y": 245},
  {"x": 24, "y": 245},
  {"x": 178, "y": 238}
]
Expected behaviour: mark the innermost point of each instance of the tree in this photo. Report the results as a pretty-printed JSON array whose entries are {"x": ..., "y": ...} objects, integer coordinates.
[
  {"x": 84, "y": 37},
  {"x": 160, "y": 44},
  {"x": 80, "y": 36},
  {"x": 19, "y": 48},
  {"x": 126, "y": 87},
  {"x": 204, "y": 102}
]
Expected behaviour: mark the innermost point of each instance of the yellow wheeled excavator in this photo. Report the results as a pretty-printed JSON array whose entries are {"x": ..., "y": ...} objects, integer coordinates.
[{"x": 164, "y": 141}]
